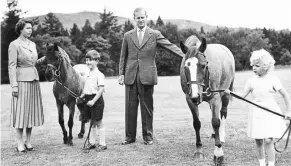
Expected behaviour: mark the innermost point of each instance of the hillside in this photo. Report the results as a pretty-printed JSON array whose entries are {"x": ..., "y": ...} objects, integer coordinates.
[{"x": 79, "y": 18}]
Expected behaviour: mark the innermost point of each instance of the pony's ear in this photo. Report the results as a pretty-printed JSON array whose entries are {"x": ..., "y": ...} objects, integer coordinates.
[
  {"x": 203, "y": 45},
  {"x": 56, "y": 45},
  {"x": 184, "y": 48}
]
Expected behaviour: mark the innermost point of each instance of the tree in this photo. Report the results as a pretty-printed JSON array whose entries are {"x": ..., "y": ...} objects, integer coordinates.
[
  {"x": 87, "y": 29},
  {"x": 53, "y": 26},
  {"x": 151, "y": 24},
  {"x": 108, "y": 21},
  {"x": 160, "y": 22},
  {"x": 286, "y": 57},
  {"x": 127, "y": 26},
  {"x": 75, "y": 35},
  {"x": 202, "y": 30},
  {"x": 106, "y": 65},
  {"x": 8, "y": 34}
]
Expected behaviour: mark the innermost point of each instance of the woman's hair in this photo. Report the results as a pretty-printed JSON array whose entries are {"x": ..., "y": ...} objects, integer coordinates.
[
  {"x": 264, "y": 58},
  {"x": 21, "y": 24}
]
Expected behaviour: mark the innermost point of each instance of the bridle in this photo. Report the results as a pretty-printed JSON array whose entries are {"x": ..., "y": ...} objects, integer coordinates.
[
  {"x": 205, "y": 83},
  {"x": 58, "y": 79}
]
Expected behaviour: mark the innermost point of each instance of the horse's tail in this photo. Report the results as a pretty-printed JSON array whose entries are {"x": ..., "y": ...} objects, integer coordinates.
[{"x": 231, "y": 88}]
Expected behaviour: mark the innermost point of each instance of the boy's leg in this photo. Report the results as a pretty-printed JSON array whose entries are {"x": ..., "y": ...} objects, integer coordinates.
[
  {"x": 101, "y": 129},
  {"x": 270, "y": 150},
  {"x": 260, "y": 150},
  {"x": 92, "y": 138}
]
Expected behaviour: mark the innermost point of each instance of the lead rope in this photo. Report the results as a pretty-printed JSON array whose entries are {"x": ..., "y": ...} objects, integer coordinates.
[{"x": 288, "y": 130}]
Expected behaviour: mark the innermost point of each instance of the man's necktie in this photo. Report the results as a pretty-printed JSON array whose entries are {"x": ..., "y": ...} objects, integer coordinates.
[{"x": 139, "y": 36}]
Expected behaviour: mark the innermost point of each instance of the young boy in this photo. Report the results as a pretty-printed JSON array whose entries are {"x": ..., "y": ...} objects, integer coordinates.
[{"x": 94, "y": 103}]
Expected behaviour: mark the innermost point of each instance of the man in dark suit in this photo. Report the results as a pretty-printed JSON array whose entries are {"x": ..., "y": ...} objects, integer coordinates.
[{"x": 138, "y": 71}]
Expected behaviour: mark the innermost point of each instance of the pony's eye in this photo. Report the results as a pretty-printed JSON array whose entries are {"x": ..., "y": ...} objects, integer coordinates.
[{"x": 203, "y": 65}]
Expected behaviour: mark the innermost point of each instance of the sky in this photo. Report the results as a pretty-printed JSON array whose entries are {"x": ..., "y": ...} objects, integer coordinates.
[{"x": 274, "y": 14}]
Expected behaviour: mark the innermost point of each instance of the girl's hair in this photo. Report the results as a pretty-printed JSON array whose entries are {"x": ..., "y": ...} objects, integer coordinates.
[
  {"x": 264, "y": 58},
  {"x": 21, "y": 24}
]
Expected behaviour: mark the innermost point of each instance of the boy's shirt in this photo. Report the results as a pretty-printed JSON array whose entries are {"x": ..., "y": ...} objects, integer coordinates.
[{"x": 93, "y": 80}]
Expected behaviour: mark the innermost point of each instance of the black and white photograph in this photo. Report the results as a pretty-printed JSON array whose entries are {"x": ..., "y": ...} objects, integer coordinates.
[{"x": 123, "y": 82}]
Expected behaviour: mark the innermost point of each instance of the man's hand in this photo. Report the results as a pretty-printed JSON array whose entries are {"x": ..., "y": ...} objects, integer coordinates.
[
  {"x": 15, "y": 91},
  {"x": 121, "y": 79}
]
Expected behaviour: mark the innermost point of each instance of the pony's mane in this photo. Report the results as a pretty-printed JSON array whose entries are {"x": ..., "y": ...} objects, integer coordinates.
[
  {"x": 192, "y": 41},
  {"x": 64, "y": 54}
]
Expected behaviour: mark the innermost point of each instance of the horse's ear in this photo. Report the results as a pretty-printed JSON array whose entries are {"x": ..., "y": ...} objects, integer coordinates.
[
  {"x": 203, "y": 45},
  {"x": 184, "y": 48},
  {"x": 56, "y": 45}
]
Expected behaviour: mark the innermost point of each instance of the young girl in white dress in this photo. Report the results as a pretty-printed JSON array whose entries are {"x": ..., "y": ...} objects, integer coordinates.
[{"x": 264, "y": 126}]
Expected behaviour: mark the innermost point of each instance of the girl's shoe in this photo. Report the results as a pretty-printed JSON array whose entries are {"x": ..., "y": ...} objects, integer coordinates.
[
  {"x": 21, "y": 151},
  {"x": 28, "y": 148},
  {"x": 101, "y": 148}
]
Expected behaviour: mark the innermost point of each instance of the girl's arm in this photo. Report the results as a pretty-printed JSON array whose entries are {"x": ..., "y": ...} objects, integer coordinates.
[
  {"x": 286, "y": 97},
  {"x": 244, "y": 94}
]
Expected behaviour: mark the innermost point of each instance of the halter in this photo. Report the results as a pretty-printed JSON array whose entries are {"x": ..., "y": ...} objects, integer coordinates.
[{"x": 58, "y": 79}]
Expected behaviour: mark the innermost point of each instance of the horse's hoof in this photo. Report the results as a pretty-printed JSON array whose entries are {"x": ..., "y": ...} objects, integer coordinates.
[
  {"x": 70, "y": 143},
  {"x": 65, "y": 139},
  {"x": 199, "y": 155},
  {"x": 80, "y": 135},
  {"x": 219, "y": 161}
]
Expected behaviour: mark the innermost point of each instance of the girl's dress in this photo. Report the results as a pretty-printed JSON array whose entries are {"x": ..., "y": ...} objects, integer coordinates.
[{"x": 263, "y": 124}]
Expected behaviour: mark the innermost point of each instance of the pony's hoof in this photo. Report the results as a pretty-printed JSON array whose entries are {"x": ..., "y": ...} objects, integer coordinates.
[
  {"x": 199, "y": 155},
  {"x": 65, "y": 139},
  {"x": 70, "y": 142},
  {"x": 80, "y": 135},
  {"x": 219, "y": 161}
]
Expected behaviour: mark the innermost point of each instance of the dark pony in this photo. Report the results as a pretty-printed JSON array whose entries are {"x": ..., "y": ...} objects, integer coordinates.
[
  {"x": 206, "y": 71},
  {"x": 67, "y": 87}
]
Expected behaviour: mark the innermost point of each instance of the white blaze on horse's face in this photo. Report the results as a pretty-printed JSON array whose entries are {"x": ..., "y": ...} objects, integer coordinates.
[{"x": 191, "y": 63}]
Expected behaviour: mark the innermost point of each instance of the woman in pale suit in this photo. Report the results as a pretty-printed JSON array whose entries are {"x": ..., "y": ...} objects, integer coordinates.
[{"x": 26, "y": 105}]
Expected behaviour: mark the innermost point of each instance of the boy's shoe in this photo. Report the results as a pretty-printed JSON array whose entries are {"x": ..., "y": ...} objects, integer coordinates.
[
  {"x": 91, "y": 146},
  {"x": 101, "y": 148}
]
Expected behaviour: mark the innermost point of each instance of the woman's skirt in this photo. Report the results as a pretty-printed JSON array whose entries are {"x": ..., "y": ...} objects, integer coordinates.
[{"x": 27, "y": 108}]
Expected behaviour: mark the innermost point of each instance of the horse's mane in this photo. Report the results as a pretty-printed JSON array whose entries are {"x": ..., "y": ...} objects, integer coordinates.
[
  {"x": 64, "y": 54},
  {"x": 192, "y": 41}
]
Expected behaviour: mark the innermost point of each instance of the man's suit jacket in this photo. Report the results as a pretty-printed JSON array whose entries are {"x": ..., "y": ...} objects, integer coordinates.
[
  {"x": 141, "y": 58},
  {"x": 22, "y": 60}
]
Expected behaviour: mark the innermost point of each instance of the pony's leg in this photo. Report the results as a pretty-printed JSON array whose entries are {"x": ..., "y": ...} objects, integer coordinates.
[
  {"x": 197, "y": 126},
  {"x": 215, "y": 105},
  {"x": 82, "y": 130},
  {"x": 60, "y": 106},
  {"x": 223, "y": 115},
  {"x": 71, "y": 105}
]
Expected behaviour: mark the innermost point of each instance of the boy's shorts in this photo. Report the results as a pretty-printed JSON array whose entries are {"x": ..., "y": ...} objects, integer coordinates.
[{"x": 94, "y": 113}]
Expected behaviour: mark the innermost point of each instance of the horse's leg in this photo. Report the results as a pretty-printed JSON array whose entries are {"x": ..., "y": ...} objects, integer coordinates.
[
  {"x": 223, "y": 115},
  {"x": 215, "y": 105},
  {"x": 71, "y": 105},
  {"x": 82, "y": 130},
  {"x": 197, "y": 126},
  {"x": 60, "y": 106}
]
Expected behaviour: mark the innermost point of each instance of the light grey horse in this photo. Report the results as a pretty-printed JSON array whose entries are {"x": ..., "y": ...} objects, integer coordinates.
[{"x": 206, "y": 71}]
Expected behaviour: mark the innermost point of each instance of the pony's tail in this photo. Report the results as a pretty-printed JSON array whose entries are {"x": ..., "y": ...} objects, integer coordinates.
[{"x": 231, "y": 88}]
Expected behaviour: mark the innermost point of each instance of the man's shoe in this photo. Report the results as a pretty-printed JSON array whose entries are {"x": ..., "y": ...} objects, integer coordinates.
[
  {"x": 127, "y": 142},
  {"x": 91, "y": 146},
  {"x": 148, "y": 142}
]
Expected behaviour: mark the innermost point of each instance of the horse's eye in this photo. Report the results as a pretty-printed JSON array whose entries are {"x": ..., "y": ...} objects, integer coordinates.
[
  {"x": 189, "y": 64},
  {"x": 203, "y": 66}
]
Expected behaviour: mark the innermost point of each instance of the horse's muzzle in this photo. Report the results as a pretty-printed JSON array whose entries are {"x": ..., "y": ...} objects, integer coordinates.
[{"x": 49, "y": 74}]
